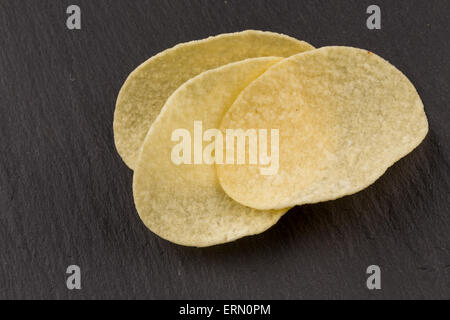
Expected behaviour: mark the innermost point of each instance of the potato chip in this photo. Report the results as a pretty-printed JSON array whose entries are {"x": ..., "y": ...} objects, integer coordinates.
[
  {"x": 344, "y": 116},
  {"x": 184, "y": 203},
  {"x": 147, "y": 88}
]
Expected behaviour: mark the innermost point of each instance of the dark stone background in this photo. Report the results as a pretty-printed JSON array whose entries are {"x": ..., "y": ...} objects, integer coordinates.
[{"x": 66, "y": 198}]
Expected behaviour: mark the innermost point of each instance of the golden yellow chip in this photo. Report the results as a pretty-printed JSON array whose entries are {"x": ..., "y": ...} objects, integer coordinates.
[
  {"x": 344, "y": 116},
  {"x": 147, "y": 88},
  {"x": 175, "y": 186}
]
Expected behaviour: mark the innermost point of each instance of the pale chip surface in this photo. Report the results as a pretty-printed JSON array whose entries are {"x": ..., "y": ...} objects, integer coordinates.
[
  {"x": 185, "y": 204},
  {"x": 345, "y": 115},
  {"x": 147, "y": 88}
]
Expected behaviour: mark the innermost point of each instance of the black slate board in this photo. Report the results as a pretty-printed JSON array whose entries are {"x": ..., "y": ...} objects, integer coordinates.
[{"x": 65, "y": 195}]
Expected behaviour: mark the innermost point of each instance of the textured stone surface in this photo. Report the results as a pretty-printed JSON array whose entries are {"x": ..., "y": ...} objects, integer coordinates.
[{"x": 66, "y": 197}]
